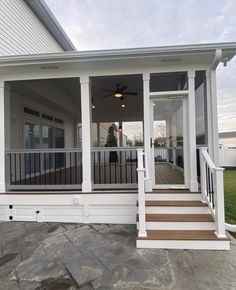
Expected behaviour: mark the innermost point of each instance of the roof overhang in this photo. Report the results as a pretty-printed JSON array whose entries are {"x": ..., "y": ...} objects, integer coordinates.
[
  {"x": 205, "y": 53},
  {"x": 42, "y": 11}
]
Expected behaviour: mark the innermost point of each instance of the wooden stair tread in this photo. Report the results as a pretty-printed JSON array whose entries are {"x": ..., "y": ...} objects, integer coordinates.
[
  {"x": 171, "y": 191},
  {"x": 182, "y": 235},
  {"x": 178, "y": 218},
  {"x": 184, "y": 203}
]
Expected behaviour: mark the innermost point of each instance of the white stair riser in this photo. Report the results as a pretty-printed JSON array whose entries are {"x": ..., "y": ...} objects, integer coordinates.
[
  {"x": 185, "y": 244},
  {"x": 177, "y": 210},
  {"x": 175, "y": 196},
  {"x": 180, "y": 225}
]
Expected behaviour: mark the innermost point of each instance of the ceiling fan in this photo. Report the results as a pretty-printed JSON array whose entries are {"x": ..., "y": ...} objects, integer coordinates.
[{"x": 119, "y": 92}]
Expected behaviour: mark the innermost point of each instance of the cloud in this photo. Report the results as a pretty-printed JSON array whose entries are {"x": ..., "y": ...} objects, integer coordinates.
[{"x": 103, "y": 24}]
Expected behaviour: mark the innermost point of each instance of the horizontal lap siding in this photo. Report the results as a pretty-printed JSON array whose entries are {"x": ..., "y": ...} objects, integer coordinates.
[{"x": 21, "y": 32}]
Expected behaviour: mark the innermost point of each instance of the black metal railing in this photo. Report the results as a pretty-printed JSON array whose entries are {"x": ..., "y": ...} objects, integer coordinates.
[
  {"x": 44, "y": 169},
  {"x": 210, "y": 186},
  {"x": 114, "y": 166}
]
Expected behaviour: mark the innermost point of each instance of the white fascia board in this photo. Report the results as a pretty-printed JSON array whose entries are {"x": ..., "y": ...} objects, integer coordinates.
[{"x": 162, "y": 51}]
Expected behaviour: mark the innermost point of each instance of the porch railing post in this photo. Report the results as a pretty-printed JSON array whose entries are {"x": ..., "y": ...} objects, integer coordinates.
[
  {"x": 203, "y": 174},
  {"x": 219, "y": 202},
  {"x": 86, "y": 134},
  {"x": 141, "y": 195}
]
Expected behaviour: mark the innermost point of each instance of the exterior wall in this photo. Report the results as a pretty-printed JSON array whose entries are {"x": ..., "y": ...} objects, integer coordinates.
[
  {"x": 81, "y": 208},
  {"x": 21, "y": 32},
  {"x": 18, "y": 117}
]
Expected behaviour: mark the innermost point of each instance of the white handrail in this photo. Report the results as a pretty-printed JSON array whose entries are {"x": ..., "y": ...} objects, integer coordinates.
[
  {"x": 212, "y": 189},
  {"x": 143, "y": 175}
]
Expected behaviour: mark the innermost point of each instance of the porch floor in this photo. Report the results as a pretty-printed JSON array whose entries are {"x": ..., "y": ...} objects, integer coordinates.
[
  {"x": 101, "y": 256},
  {"x": 166, "y": 174},
  {"x": 111, "y": 174}
]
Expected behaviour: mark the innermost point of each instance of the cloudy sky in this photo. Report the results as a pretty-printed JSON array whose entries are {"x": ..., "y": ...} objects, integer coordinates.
[{"x": 103, "y": 24}]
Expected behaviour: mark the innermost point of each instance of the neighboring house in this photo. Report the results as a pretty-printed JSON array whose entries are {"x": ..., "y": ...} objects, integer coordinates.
[{"x": 48, "y": 172}]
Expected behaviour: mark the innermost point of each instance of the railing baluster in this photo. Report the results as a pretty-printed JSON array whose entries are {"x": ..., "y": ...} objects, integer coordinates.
[
  {"x": 30, "y": 168},
  {"x": 104, "y": 166},
  {"x": 131, "y": 165},
  {"x": 99, "y": 166},
  {"x": 70, "y": 170},
  {"x": 10, "y": 169},
  {"x": 120, "y": 168},
  {"x": 15, "y": 168},
  {"x": 20, "y": 167}
]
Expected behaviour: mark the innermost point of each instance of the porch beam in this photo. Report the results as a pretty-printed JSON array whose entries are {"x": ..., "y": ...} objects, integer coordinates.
[
  {"x": 193, "y": 184},
  {"x": 147, "y": 125},
  {"x": 4, "y": 132},
  {"x": 86, "y": 134}
]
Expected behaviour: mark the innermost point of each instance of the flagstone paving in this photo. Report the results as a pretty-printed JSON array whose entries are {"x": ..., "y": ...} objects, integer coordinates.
[{"x": 53, "y": 256}]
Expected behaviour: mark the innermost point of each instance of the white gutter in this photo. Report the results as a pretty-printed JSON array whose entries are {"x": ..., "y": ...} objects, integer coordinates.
[
  {"x": 161, "y": 51},
  {"x": 217, "y": 59}
]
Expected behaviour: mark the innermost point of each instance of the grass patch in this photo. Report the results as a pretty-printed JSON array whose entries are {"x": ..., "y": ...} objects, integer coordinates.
[{"x": 230, "y": 197}]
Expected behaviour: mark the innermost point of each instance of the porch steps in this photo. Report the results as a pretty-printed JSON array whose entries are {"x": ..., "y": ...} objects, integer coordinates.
[{"x": 178, "y": 219}]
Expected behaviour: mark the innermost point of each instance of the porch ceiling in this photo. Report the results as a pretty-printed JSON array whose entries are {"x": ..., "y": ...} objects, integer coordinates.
[{"x": 108, "y": 109}]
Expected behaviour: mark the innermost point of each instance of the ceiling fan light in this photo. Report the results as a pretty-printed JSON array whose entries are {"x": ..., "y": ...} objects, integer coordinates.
[{"x": 118, "y": 95}]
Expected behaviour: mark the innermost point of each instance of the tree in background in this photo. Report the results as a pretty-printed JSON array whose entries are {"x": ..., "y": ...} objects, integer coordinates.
[{"x": 112, "y": 142}]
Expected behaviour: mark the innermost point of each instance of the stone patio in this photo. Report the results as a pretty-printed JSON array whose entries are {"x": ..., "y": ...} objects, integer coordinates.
[{"x": 97, "y": 256}]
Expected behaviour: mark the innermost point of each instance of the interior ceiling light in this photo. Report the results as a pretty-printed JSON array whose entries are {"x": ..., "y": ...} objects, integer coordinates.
[
  {"x": 123, "y": 106},
  {"x": 93, "y": 104},
  {"x": 118, "y": 95}
]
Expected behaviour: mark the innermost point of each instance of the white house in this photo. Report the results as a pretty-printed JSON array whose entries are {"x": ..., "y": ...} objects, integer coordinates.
[{"x": 50, "y": 93}]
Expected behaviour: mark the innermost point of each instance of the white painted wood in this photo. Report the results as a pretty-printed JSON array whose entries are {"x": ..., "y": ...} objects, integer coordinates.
[
  {"x": 219, "y": 202},
  {"x": 173, "y": 196},
  {"x": 214, "y": 124},
  {"x": 192, "y": 132},
  {"x": 4, "y": 132},
  {"x": 176, "y": 244},
  {"x": 203, "y": 174},
  {"x": 141, "y": 194},
  {"x": 146, "y": 125},
  {"x": 79, "y": 208},
  {"x": 24, "y": 213},
  {"x": 180, "y": 226},
  {"x": 86, "y": 134},
  {"x": 22, "y": 32}
]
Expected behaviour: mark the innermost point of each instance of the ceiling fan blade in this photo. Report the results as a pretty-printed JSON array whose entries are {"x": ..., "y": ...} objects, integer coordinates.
[
  {"x": 131, "y": 94},
  {"x": 108, "y": 95},
  {"x": 109, "y": 90},
  {"x": 122, "y": 89}
]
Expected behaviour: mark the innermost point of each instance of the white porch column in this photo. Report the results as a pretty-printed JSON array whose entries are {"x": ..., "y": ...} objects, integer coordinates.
[
  {"x": 193, "y": 184},
  {"x": 146, "y": 126},
  {"x": 214, "y": 120},
  {"x": 86, "y": 134},
  {"x": 209, "y": 114},
  {"x": 4, "y": 131}
]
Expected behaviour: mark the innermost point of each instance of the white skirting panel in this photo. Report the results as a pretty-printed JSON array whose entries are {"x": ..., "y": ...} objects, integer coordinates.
[{"x": 81, "y": 208}]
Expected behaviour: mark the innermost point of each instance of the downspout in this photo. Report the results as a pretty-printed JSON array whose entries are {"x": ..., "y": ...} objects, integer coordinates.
[{"x": 217, "y": 59}]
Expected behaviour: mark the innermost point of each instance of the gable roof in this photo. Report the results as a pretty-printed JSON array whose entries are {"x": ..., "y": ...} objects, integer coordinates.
[{"x": 45, "y": 15}]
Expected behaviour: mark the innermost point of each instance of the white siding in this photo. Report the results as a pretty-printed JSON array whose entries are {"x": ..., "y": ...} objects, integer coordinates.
[{"x": 21, "y": 32}]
